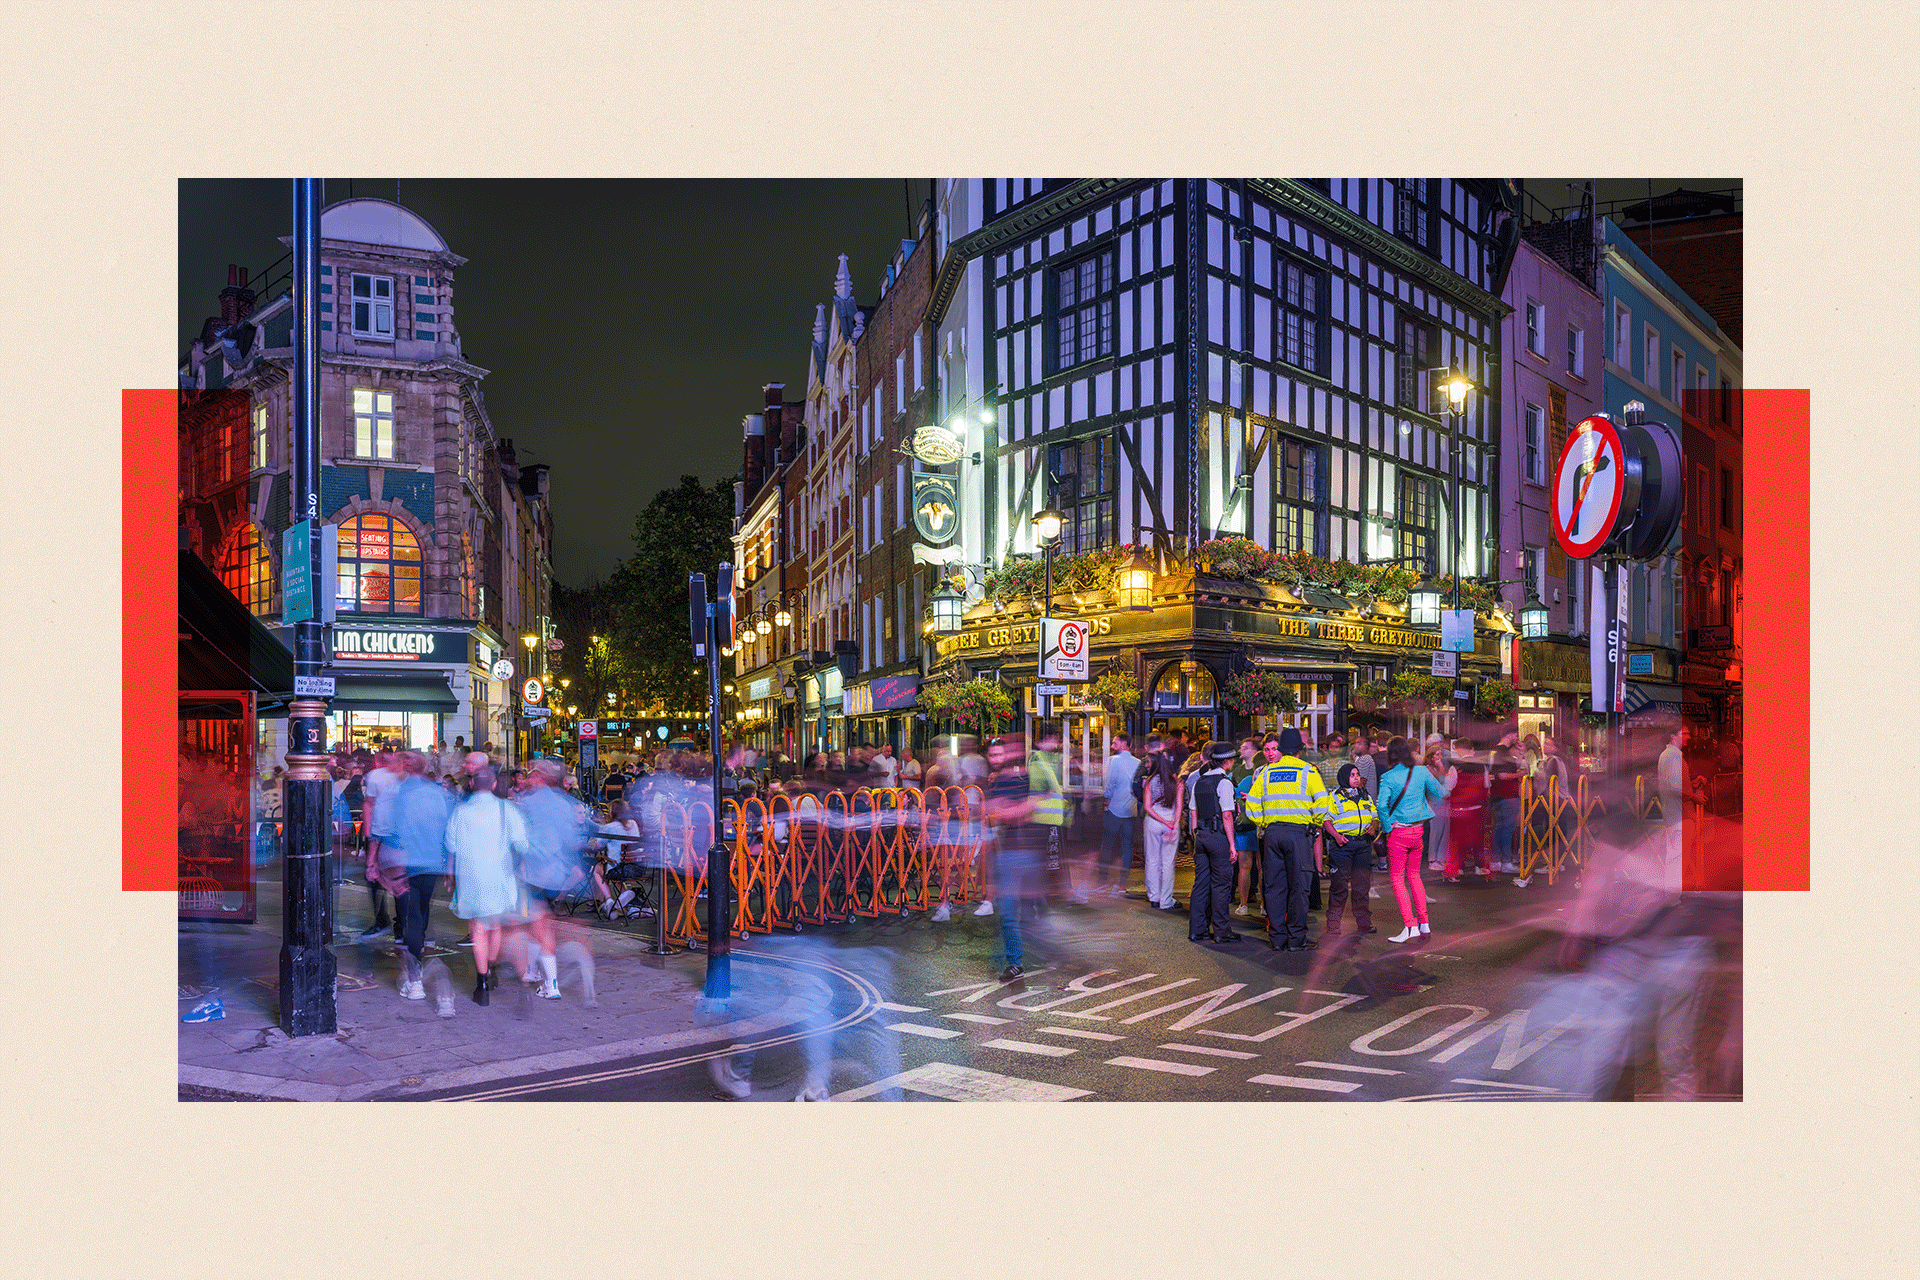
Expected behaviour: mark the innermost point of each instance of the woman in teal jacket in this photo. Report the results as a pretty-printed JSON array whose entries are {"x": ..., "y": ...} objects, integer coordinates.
[{"x": 1406, "y": 800}]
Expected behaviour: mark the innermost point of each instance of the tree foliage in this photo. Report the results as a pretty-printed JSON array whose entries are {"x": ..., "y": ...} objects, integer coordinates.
[{"x": 685, "y": 530}]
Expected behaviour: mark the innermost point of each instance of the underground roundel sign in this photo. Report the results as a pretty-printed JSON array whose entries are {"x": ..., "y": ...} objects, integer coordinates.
[
  {"x": 1063, "y": 649},
  {"x": 1588, "y": 486}
]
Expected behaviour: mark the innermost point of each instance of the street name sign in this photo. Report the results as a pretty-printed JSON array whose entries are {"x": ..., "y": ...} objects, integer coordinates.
[
  {"x": 1050, "y": 690},
  {"x": 1446, "y": 663}
]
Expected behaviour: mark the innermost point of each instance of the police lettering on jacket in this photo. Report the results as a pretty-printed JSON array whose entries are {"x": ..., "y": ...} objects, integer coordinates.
[{"x": 1289, "y": 791}]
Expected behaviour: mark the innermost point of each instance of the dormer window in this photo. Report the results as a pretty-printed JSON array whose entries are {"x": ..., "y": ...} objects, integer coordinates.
[{"x": 373, "y": 307}]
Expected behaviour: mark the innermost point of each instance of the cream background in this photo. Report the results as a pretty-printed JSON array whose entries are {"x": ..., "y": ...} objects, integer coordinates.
[{"x": 1811, "y": 1175}]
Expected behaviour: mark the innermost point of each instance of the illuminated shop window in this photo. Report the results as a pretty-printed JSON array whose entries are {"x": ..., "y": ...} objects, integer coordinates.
[{"x": 379, "y": 566}]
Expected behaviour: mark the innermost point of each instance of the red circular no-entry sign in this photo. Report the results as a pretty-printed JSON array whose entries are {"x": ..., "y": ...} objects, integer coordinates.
[{"x": 1589, "y": 484}]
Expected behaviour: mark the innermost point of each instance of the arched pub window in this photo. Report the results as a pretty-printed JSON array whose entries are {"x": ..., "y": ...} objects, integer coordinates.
[
  {"x": 247, "y": 569},
  {"x": 379, "y": 566}
]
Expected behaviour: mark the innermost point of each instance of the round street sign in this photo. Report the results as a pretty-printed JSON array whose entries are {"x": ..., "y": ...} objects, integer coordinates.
[
  {"x": 1073, "y": 639},
  {"x": 503, "y": 669},
  {"x": 1588, "y": 487},
  {"x": 589, "y": 731},
  {"x": 533, "y": 692}
]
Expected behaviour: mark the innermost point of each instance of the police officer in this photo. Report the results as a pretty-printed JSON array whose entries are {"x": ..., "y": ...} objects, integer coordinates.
[
  {"x": 1288, "y": 800},
  {"x": 1210, "y": 818},
  {"x": 1050, "y": 809},
  {"x": 1349, "y": 821}
]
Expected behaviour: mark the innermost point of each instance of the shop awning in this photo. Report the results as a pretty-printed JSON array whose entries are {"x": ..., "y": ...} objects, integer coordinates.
[
  {"x": 389, "y": 693},
  {"x": 224, "y": 647},
  {"x": 1653, "y": 698}
]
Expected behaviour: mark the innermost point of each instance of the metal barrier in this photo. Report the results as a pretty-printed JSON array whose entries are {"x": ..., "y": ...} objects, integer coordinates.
[
  {"x": 811, "y": 859},
  {"x": 1553, "y": 826}
]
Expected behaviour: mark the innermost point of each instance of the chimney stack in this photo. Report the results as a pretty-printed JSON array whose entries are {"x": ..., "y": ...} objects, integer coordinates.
[
  {"x": 753, "y": 429},
  {"x": 236, "y": 300}
]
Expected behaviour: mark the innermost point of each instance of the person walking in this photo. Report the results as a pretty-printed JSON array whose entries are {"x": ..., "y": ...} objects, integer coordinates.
[
  {"x": 1287, "y": 800},
  {"x": 1161, "y": 831},
  {"x": 1437, "y": 758},
  {"x": 1349, "y": 822},
  {"x": 1050, "y": 813},
  {"x": 415, "y": 844},
  {"x": 556, "y": 836},
  {"x": 482, "y": 836},
  {"x": 1210, "y": 818},
  {"x": 1503, "y": 792},
  {"x": 1010, "y": 805},
  {"x": 1116, "y": 825},
  {"x": 1407, "y": 793},
  {"x": 1466, "y": 817}
]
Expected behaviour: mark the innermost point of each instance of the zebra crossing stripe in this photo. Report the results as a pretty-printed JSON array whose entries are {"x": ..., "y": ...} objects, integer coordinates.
[
  {"x": 914, "y": 1028},
  {"x": 1155, "y": 1064}
]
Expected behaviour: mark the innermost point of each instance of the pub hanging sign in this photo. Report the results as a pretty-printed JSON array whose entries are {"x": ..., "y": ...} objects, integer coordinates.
[{"x": 936, "y": 512}]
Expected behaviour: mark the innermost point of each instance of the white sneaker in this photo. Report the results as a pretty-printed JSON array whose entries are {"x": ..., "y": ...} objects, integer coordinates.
[
  {"x": 1521, "y": 882},
  {"x": 813, "y": 1093},
  {"x": 1078, "y": 899},
  {"x": 549, "y": 990},
  {"x": 985, "y": 908},
  {"x": 1240, "y": 910},
  {"x": 942, "y": 913},
  {"x": 444, "y": 1006},
  {"x": 1424, "y": 928},
  {"x": 413, "y": 990},
  {"x": 1407, "y": 934},
  {"x": 1373, "y": 893},
  {"x": 727, "y": 1080}
]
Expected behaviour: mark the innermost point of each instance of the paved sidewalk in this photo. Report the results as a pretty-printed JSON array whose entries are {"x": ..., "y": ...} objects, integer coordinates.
[{"x": 623, "y": 1003}]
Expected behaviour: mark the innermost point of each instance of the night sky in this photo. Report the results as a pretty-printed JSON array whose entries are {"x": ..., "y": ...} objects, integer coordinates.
[{"x": 626, "y": 325}]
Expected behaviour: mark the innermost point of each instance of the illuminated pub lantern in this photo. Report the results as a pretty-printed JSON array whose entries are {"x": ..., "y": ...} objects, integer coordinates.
[
  {"x": 948, "y": 606},
  {"x": 1533, "y": 619},
  {"x": 1135, "y": 585},
  {"x": 1423, "y": 604}
]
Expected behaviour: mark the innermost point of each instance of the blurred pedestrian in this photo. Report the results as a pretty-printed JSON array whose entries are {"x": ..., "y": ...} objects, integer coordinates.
[
  {"x": 483, "y": 836},
  {"x": 1503, "y": 793},
  {"x": 1407, "y": 793},
  {"x": 1246, "y": 833},
  {"x": 415, "y": 843},
  {"x": 556, "y": 841},
  {"x": 1162, "y": 830},
  {"x": 1116, "y": 824},
  {"x": 1010, "y": 804},
  {"x": 1466, "y": 817}
]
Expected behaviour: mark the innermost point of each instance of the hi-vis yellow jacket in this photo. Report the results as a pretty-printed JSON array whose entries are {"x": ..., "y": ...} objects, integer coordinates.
[
  {"x": 1289, "y": 791},
  {"x": 1349, "y": 817},
  {"x": 1049, "y": 797}
]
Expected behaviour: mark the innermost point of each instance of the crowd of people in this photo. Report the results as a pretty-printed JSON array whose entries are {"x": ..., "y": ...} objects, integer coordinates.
[{"x": 1267, "y": 820}]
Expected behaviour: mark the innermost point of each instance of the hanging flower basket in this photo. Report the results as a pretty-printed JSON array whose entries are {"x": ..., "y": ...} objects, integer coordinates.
[
  {"x": 979, "y": 704},
  {"x": 1116, "y": 690},
  {"x": 1497, "y": 700},
  {"x": 1258, "y": 693}
]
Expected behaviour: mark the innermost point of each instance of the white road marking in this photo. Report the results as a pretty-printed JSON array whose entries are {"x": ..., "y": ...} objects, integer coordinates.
[
  {"x": 1022, "y": 1046},
  {"x": 1305, "y": 1082},
  {"x": 966, "y": 1084},
  {"x": 900, "y": 1008},
  {"x": 977, "y": 1017},
  {"x": 914, "y": 1028},
  {"x": 1155, "y": 1064},
  {"x": 1077, "y": 1033},
  {"x": 1341, "y": 1066},
  {"x": 1507, "y": 1084},
  {"x": 1212, "y": 1053}
]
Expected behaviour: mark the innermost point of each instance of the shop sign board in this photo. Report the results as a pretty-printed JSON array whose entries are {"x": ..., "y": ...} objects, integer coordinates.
[
  {"x": 370, "y": 644},
  {"x": 936, "y": 505}
]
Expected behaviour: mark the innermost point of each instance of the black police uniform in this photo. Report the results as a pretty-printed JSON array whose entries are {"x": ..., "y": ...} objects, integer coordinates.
[{"x": 1212, "y": 861}]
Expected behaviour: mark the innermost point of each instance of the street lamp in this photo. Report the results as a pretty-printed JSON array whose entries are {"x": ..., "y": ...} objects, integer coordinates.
[
  {"x": 783, "y": 616},
  {"x": 1135, "y": 584},
  {"x": 1423, "y": 603},
  {"x": 1048, "y": 525},
  {"x": 761, "y": 625},
  {"x": 948, "y": 606},
  {"x": 1533, "y": 619}
]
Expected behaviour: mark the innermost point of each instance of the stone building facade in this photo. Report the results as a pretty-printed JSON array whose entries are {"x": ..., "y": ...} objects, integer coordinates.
[{"x": 441, "y": 536}]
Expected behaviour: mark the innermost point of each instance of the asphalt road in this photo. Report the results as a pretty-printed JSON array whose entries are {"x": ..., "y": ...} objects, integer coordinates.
[{"x": 1117, "y": 1005}]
